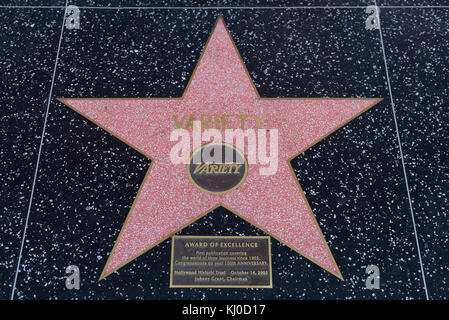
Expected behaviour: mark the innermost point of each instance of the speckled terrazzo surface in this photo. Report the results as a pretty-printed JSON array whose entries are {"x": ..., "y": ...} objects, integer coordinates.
[
  {"x": 353, "y": 179},
  {"x": 419, "y": 66},
  {"x": 29, "y": 43}
]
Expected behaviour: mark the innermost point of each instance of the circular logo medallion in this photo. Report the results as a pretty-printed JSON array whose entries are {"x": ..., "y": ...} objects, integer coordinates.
[{"x": 217, "y": 168}]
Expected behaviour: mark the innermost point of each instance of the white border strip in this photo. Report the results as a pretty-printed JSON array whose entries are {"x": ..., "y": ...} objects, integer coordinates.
[
  {"x": 39, "y": 155},
  {"x": 225, "y": 8}
]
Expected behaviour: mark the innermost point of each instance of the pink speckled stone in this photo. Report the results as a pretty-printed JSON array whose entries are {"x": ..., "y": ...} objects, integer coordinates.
[{"x": 168, "y": 201}]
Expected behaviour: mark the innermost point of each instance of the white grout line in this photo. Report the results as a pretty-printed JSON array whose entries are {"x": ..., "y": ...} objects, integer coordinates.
[
  {"x": 262, "y": 7},
  {"x": 38, "y": 156},
  {"x": 402, "y": 160},
  {"x": 224, "y": 8}
]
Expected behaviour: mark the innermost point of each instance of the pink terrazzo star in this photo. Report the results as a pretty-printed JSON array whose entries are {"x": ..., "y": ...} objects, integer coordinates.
[{"x": 168, "y": 201}]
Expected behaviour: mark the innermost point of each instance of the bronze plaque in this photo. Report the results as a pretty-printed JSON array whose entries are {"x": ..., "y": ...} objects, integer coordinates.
[
  {"x": 227, "y": 171},
  {"x": 213, "y": 261}
]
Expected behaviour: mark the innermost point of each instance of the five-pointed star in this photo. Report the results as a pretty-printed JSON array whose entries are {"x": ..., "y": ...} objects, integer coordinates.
[{"x": 167, "y": 200}]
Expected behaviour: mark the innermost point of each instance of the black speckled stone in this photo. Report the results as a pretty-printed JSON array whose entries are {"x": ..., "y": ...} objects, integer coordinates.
[
  {"x": 29, "y": 41},
  {"x": 88, "y": 179},
  {"x": 32, "y": 3},
  {"x": 222, "y": 3},
  {"x": 417, "y": 49},
  {"x": 218, "y": 3},
  {"x": 413, "y": 2}
]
